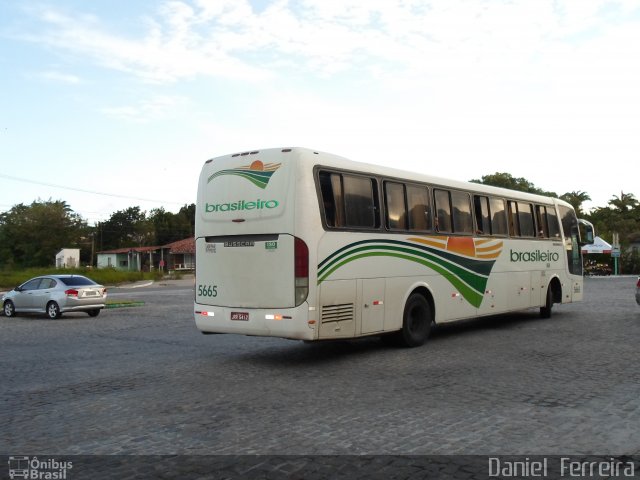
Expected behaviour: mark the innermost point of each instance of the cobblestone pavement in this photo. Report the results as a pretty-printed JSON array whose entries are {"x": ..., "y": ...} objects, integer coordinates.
[{"x": 145, "y": 381}]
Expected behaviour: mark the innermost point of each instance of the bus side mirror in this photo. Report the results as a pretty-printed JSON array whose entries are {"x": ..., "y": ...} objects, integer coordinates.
[{"x": 587, "y": 232}]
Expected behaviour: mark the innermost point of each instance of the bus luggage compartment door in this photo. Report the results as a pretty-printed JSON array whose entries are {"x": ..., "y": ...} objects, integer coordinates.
[{"x": 251, "y": 271}]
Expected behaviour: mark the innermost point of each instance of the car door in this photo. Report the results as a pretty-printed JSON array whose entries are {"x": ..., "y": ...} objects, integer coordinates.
[
  {"x": 23, "y": 300},
  {"x": 42, "y": 294}
]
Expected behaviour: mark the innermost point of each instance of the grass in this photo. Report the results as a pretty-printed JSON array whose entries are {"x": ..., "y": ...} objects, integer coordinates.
[{"x": 104, "y": 276}]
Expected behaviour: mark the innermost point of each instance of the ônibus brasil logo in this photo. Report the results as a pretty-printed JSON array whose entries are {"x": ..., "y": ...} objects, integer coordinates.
[
  {"x": 534, "y": 256},
  {"x": 240, "y": 205},
  {"x": 257, "y": 173}
]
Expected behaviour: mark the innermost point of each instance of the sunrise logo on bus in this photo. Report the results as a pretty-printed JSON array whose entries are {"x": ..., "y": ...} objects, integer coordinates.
[
  {"x": 465, "y": 262},
  {"x": 257, "y": 173}
]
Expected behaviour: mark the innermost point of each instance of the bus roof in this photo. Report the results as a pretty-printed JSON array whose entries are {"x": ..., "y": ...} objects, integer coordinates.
[{"x": 317, "y": 157}]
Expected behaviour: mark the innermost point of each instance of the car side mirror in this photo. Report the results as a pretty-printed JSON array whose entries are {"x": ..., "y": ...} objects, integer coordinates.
[{"x": 18, "y": 289}]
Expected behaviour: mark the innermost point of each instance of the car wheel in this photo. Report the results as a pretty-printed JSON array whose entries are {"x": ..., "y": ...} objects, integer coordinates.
[
  {"x": 53, "y": 310},
  {"x": 416, "y": 321},
  {"x": 94, "y": 313},
  {"x": 9, "y": 308}
]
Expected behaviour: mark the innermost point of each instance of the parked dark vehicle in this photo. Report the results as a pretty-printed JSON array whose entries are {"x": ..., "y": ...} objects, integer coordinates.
[{"x": 54, "y": 295}]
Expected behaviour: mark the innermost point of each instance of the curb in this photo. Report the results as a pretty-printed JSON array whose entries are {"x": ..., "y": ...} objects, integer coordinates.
[{"x": 141, "y": 285}]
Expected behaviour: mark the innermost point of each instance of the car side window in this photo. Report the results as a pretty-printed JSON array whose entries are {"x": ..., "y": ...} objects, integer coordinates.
[
  {"x": 47, "y": 283},
  {"x": 31, "y": 284}
]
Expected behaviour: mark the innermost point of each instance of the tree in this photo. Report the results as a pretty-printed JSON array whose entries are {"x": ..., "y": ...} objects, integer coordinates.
[
  {"x": 189, "y": 213},
  {"x": 622, "y": 216},
  {"x": 169, "y": 227},
  {"x": 125, "y": 228},
  {"x": 576, "y": 199},
  {"x": 506, "y": 180},
  {"x": 624, "y": 203},
  {"x": 31, "y": 235}
]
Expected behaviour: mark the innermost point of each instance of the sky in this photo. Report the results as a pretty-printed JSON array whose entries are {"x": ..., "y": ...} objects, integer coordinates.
[{"x": 109, "y": 104}]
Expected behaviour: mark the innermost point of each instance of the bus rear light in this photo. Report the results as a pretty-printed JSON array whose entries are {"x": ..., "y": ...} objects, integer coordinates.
[
  {"x": 205, "y": 314},
  {"x": 301, "y": 270}
]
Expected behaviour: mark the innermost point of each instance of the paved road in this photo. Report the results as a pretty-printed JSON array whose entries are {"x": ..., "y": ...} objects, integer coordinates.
[{"x": 145, "y": 381}]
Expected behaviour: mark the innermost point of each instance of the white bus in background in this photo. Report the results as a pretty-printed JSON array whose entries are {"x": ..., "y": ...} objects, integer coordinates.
[{"x": 301, "y": 244}]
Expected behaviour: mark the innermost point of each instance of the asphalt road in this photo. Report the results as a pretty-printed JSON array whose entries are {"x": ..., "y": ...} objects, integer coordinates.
[{"x": 143, "y": 380}]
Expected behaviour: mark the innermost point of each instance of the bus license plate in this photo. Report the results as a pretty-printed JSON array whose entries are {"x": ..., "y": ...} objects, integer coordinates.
[{"x": 240, "y": 316}]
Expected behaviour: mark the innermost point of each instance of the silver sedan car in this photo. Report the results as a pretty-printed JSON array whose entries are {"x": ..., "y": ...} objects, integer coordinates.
[{"x": 55, "y": 295}]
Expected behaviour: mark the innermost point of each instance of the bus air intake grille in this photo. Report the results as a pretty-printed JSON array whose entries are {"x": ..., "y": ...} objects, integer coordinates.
[{"x": 338, "y": 313}]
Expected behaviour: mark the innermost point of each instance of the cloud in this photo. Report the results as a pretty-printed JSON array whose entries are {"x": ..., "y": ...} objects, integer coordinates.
[
  {"x": 59, "y": 77},
  {"x": 155, "y": 108},
  {"x": 234, "y": 39}
]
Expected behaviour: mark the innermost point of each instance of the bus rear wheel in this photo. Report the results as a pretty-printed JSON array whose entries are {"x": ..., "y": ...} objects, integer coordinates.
[{"x": 416, "y": 321}]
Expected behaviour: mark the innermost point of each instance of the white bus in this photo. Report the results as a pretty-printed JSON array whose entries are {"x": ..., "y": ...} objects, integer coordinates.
[{"x": 301, "y": 244}]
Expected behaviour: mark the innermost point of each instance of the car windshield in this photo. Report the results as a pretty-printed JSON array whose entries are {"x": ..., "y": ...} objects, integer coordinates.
[{"x": 76, "y": 281}]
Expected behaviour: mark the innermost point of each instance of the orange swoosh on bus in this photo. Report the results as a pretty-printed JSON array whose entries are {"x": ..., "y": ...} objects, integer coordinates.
[
  {"x": 489, "y": 248},
  {"x": 476, "y": 248},
  {"x": 436, "y": 242}
]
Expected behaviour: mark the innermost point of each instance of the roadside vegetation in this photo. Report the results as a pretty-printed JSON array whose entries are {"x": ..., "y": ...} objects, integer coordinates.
[{"x": 104, "y": 276}]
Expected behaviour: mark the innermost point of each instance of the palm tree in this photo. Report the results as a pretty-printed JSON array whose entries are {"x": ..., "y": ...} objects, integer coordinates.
[
  {"x": 624, "y": 203},
  {"x": 576, "y": 199}
]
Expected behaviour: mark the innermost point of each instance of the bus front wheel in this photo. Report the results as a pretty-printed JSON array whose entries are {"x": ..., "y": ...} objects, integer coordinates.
[
  {"x": 545, "y": 312},
  {"x": 416, "y": 321}
]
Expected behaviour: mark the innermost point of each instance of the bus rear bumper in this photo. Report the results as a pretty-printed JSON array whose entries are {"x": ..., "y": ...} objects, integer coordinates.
[{"x": 286, "y": 322}]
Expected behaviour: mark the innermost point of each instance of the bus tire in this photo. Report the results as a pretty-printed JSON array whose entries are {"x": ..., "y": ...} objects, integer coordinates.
[
  {"x": 416, "y": 321},
  {"x": 545, "y": 312}
]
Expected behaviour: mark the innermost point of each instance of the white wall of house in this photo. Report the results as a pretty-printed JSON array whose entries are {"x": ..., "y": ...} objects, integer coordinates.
[
  {"x": 108, "y": 260},
  {"x": 68, "y": 258}
]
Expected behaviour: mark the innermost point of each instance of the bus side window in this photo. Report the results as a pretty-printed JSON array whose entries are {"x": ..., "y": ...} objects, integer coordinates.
[
  {"x": 571, "y": 239},
  {"x": 443, "y": 210},
  {"x": 481, "y": 207},
  {"x": 419, "y": 208},
  {"x": 514, "y": 227},
  {"x": 525, "y": 218},
  {"x": 498, "y": 217},
  {"x": 541, "y": 216},
  {"x": 396, "y": 207},
  {"x": 332, "y": 199},
  {"x": 360, "y": 202},
  {"x": 462, "y": 220},
  {"x": 552, "y": 222}
]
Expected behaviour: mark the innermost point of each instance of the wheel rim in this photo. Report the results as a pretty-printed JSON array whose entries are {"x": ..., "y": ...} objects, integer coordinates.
[
  {"x": 8, "y": 309},
  {"x": 53, "y": 310}
]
